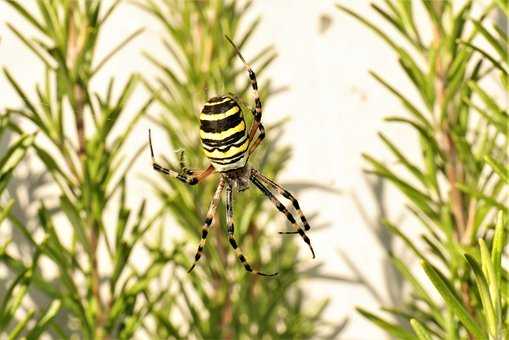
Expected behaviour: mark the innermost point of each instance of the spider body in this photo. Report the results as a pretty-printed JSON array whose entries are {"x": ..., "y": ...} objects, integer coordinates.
[
  {"x": 223, "y": 133},
  {"x": 228, "y": 143},
  {"x": 238, "y": 178}
]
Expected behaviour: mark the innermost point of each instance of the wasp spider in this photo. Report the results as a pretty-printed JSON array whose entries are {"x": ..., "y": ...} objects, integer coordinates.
[{"x": 228, "y": 144}]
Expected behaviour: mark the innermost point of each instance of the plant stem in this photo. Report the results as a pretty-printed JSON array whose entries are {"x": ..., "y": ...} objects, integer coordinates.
[
  {"x": 453, "y": 167},
  {"x": 79, "y": 102},
  {"x": 472, "y": 209},
  {"x": 95, "y": 280},
  {"x": 78, "y": 92},
  {"x": 79, "y": 98},
  {"x": 455, "y": 174}
]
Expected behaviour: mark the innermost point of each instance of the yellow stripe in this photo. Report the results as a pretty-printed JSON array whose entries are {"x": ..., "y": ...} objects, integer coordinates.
[
  {"x": 217, "y": 103},
  {"x": 234, "y": 150},
  {"x": 224, "y": 134},
  {"x": 230, "y": 112}
]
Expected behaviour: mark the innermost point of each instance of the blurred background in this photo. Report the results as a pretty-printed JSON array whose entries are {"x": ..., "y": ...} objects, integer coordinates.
[{"x": 318, "y": 86}]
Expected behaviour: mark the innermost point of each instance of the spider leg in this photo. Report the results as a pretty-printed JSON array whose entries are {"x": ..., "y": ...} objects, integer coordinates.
[
  {"x": 255, "y": 179},
  {"x": 231, "y": 237},
  {"x": 186, "y": 176},
  {"x": 258, "y": 139},
  {"x": 208, "y": 222},
  {"x": 257, "y": 112},
  {"x": 286, "y": 194}
]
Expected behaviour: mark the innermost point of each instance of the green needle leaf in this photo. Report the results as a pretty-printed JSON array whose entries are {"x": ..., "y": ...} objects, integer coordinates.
[
  {"x": 499, "y": 243},
  {"x": 482, "y": 287},
  {"x": 396, "y": 331},
  {"x": 452, "y": 301},
  {"x": 419, "y": 330},
  {"x": 45, "y": 320}
]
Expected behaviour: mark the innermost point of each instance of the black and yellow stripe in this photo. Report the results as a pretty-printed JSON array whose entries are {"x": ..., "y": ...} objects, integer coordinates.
[{"x": 223, "y": 133}]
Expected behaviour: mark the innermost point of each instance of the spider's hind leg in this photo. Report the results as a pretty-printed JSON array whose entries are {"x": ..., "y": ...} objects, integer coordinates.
[
  {"x": 286, "y": 194},
  {"x": 256, "y": 179},
  {"x": 231, "y": 237},
  {"x": 208, "y": 222}
]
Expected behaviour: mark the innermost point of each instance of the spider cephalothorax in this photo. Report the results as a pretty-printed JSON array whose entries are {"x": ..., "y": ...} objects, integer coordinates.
[
  {"x": 238, "y": 179},
  {"x": 228, "y": 144}
]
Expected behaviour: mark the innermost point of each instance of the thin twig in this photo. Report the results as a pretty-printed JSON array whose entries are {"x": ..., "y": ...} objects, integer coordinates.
[
  {"x": 79, "y": 100},
  {"x": 453, "y": 167}
]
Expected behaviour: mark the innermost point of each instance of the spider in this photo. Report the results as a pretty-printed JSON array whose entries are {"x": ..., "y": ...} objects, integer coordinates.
[{"x": 228, "y": 145}]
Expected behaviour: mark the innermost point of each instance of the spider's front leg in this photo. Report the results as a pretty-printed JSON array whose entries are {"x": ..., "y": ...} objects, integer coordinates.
[
  {"x": 183, "y": 169},
  {"x": 185, "y": 175},
  {"x": 257, "y": 111},
  {"x": 254, "y": 144}
]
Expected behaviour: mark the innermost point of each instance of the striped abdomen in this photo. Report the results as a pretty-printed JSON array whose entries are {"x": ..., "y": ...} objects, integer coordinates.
[{"x": 223, "y": 133}]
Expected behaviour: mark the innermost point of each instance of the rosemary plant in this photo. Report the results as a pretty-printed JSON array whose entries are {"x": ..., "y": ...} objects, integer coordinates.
[
  {"x": 458, "y": 190},
  {"x": 219, "y": 300},
  {"x": 33, "y": 321},
  {"x": 89, "y": 233},
  {"x": 80, "y": 149}
]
